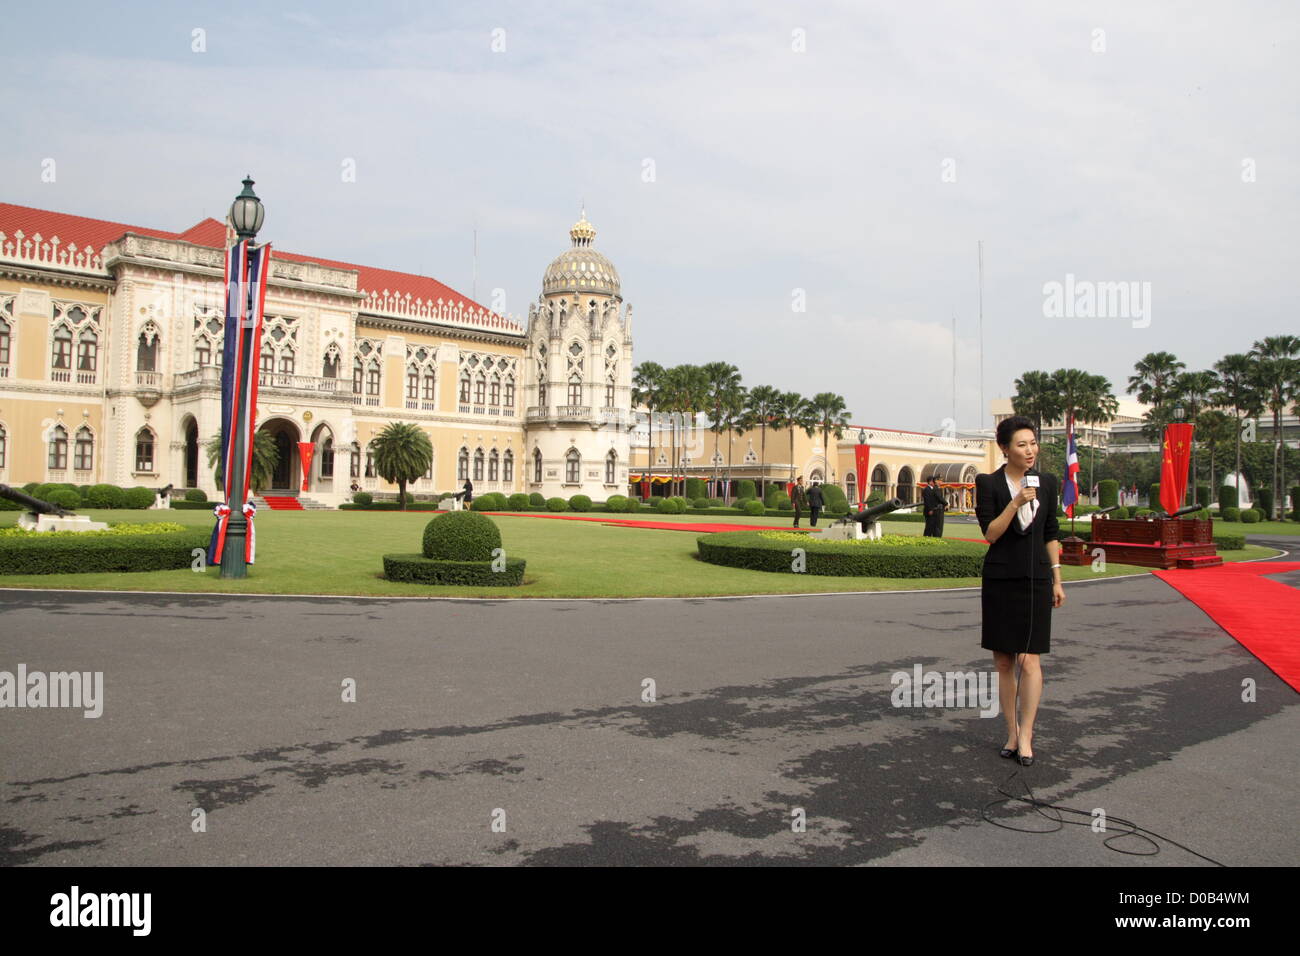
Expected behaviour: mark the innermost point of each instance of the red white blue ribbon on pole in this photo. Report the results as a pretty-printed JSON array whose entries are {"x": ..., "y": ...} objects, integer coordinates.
[{"x": 250, "y": 542}]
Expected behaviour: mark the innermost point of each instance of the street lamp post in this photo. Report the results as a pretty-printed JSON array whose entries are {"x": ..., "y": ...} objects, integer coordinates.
[{"x": 246, "y": 214}]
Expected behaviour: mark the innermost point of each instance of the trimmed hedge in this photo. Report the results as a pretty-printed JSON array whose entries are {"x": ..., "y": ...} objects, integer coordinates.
[
  {"x": 696, "y": 488},
  {"x": 362, "y": 498},
  {"x": 140, "y": 498},
  {"x": 700, "y": 503},
  {"x": 894, "y": 556},
  {"x": 417, "y": 569},
  {"x": 1231, "y": 513},
  {"x": 1222, "y": 542},
  {"x": 833, "y": 496},
  {"x": 1250, "y": 516},
  {"x": 196, "y": 494},
  {"x": 579, "y": 503},
  {"x": 556, "y": 504},
  {"x": 53, "y": 552},
  {"x": 105, "y": 496},
  {"x": 379, "y": 506},
  {"x": 1228, "y": 497},
  {"x": 517, "y": 502},
  {"x": 461, "y": 536},
  {"x": 745, "y": 488},
  {"x": 615, "y": 502},
  {"x": 1264, "y": 502},
  {"x": 632, "y": 506},
  {"x": 537, "y": 500},
  {"x": 64, "y": 498},
  {"x": 1107, "y": 492},
  {"x": 754, "y": 507}
]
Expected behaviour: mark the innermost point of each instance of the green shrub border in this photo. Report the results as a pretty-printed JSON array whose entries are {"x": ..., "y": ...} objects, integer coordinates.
[
  {"x": 751, "y": 551},
  {"x": 81, "y": 554},
  {"x": 417, "y": 569}
]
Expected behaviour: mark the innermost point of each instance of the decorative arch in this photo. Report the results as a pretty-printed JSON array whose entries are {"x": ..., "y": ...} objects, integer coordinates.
[
  {"x": 146, "y": 443},
  {"x": 572, "y": 466}
]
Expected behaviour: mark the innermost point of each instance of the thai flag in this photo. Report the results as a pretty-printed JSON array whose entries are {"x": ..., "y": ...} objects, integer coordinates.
[
  {"x": 246, "y": 271},
  {"x": 1070, "y": 490}
]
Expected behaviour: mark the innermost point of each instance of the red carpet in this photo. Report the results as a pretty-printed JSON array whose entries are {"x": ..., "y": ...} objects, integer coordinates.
[
  {"x": 1262, "y": 615},
  {"x": 282, "y": 503}
]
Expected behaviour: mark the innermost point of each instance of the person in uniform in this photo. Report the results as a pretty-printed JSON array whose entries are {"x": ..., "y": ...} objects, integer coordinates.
[
  {"x": 798, "y": 498},
  {"x": 1021, "y": 579}
]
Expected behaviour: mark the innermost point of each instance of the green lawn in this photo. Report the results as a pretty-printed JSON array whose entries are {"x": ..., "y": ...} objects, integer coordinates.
[{"x": 339, "y": 552}]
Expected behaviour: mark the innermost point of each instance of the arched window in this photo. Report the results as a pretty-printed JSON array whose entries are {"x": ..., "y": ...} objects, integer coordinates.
[
  {"x": 479, "y": 386},
  {"x": 609, "y": 396},
  {"x": 370, "y": 460},
  {"x": 87, "y": 351},
  {"x": 61, "y": 357},
  {"x": 575, "y": 391},
  {"x": 287, "y": 360},
  {"x": 494, "y": 391},
  {"x": 412, "y": 383},
  {"x": 202, "y": 353},
  {"x": 146, "y": 353},
  {"x": 510, "y": 393},
  {"x": 508, "y": 467},
  {"x": 372, "y": 378},
  {"x": 464, "y": 388},
  {"x": 144, "y": 450},
  {"x": 494, "y": 466},
  {"x": 84, "y": 453},
  {"x": 4, "y": 444},
  {"x": 430, "y": 385},
  {"x": 358, "y": 372},
  {"x": 5, "y": 332},
  {"x": 537, "y": 465},
  {"x": 59, "y": 447},
  {"x": 462, "y": 464},
  {"x": 354, "y": 466},
  {"x": 330, "y": 367},
  {"x": 851, "y": 488},
  {"x": 268, "y": 358},
  {"x": 478, "y": 464},
  {"x": 611, "y": 461},
  {"x": 327, "y": 458},
  {"x": 541, "y": 394},
  {"x": 572, "y": 467}
]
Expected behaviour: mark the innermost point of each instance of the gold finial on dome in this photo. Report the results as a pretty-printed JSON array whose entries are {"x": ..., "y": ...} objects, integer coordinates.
[{"x": 582, "y": 233}]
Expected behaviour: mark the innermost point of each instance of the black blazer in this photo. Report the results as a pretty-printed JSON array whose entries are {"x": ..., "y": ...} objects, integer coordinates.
[
  {"x": 933, "y": 500},
  {"x": 1011, "y": 555}
]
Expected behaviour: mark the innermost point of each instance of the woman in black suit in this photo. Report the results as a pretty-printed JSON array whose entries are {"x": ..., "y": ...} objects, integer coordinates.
[{"x": 1022, "y": 577}]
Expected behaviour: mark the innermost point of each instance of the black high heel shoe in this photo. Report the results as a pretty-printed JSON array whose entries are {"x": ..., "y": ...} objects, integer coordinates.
[
  {"x": 1008, "y": 752},
  {"x": 1025, "y": 761}
]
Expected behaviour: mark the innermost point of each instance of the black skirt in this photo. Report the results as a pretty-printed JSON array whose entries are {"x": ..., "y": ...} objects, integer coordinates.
[{"x": 1017, "y": 615}]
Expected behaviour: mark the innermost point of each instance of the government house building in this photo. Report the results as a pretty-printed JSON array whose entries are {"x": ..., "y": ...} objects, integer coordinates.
[{"x": 111, "y": 343}]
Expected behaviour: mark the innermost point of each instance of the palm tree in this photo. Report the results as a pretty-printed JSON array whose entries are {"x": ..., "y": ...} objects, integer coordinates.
[
  {"x": 1216, "y": 429},
  {"x": 762, "y": 403},
  {"x": 1195, "y": 390},
  {"x": 1276, "y": 375},
  {"x": 265, "y": 457},
  {"x": 647, "y": 389},
  {"x": 795, "y": 414},
  {"x": 403, "y": 453},
  {"x": 1098, "y": 405},
  {"x": 1037, "y": 397},
  {"x": 723, "y": 380},
  {"x": 693, "y": 397},
  {"x": 741, "y": 421},
  {"x": 829, "y": 412},
  {"x": 1154, "y": 378},
  {"x": 1236, "y": 391}
]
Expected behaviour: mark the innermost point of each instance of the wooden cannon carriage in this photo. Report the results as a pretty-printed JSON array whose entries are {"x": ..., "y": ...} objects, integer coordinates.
[{"x": 1152, "y": 542}]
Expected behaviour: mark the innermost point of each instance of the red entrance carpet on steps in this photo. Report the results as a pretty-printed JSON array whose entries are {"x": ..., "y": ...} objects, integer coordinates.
[
  {"x": 283, "y": 503},
  {"x": 1262, "y": 615}
]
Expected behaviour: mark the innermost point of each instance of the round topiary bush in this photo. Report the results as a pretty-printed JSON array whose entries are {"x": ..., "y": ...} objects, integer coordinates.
[
  {"x": 615, "y": 502},
  {"x": 833, "y": 496},
  {"x": 517, "y": 502},
  {"x": 461, "y": 536},
  {"x": 106, "y": 496},
  {"x": 64, "y": 498},
  {"x": 484, "y": 503},
  {"x": 1251, "y": 516},
  {"x": 579, "y": 503},
  {"x": 1143, "y": 512},
  {"x": 556, "y": 504},
  {"x": 701, "y": 503},
  {"x": 739, "y": 503},
  {"x": 30, "y": 488},
  {"x": 537, "y": 499},
  {"x": 754, "y": 507},
  {"x": 695, "y": 488},
  {"x": 1121, "y": 513},
  {"x": 632, "y": 505},
  {"x": 666, "y": 506},
  {"x": 745, "y": 488},
  {"x": 140, "y": 497},
  {"x": 717, "y": 503},
  {"x": 196, "y": 494},
  {"x": 363, "y": 498},
  {"x": 44, "y": 491}
]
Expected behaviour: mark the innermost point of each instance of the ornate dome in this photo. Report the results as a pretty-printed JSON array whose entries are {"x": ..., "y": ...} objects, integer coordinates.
[{"x": 581, "y": 269}]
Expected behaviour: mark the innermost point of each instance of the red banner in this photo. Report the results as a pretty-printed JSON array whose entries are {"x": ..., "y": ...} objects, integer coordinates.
[
  {"x": 305, "y": 450},
  {"x": 1176, "y": 455},
  {"x": 862, "y": 459}
]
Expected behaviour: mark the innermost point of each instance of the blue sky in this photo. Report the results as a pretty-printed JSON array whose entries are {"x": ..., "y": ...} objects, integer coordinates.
[{"x": 775, "y": 168}]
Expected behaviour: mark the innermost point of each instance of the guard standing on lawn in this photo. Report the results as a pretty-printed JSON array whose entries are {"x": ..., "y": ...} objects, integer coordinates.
[
  {"x": 798, "y": 498},
  {"x": 934, "y": 504},
  {"x": 815, "y": 502}
]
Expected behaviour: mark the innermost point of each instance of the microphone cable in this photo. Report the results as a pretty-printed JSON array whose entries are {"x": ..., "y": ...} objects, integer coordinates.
[{"x": 1058, "y": 821}]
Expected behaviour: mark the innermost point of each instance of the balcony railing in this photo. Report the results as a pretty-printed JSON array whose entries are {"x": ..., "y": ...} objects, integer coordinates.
[
  {"x": 573, "y": 411},
  {"x": 4, "y": 371},
  {"x": 148, "y": 379}
]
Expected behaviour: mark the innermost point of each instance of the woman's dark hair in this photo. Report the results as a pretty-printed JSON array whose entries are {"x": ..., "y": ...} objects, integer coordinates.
[{"x": 1009, "y": 426}]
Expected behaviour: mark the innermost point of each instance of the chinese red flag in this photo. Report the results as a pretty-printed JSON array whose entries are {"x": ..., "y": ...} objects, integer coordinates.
[{"x": 1176, "y": 455}]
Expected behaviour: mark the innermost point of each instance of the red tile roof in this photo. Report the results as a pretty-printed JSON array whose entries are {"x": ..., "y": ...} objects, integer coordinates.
[{"x": 209, "y": 232}]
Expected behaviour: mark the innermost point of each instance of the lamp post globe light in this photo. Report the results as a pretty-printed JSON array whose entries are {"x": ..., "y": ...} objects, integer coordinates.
[{"x": 246, "y": 215}]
